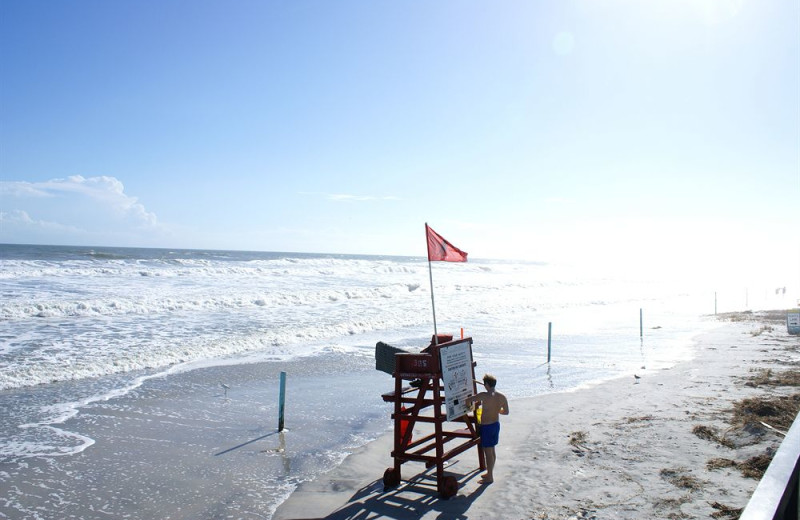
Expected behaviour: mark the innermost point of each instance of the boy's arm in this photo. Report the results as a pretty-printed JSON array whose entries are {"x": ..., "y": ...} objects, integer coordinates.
[
  {"x": 473, "y": 398},
  {"x": 504, "y": 406}
]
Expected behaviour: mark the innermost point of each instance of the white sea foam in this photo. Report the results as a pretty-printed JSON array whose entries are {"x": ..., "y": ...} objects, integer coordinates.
[{"x": 110, "y": 319}]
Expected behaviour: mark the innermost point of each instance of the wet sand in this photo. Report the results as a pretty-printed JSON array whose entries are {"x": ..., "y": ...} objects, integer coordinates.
[{"x": 183, "y": 447}]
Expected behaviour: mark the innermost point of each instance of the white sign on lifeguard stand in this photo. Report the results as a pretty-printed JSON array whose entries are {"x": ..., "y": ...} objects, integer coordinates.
[{"x": 456, "y": 363}]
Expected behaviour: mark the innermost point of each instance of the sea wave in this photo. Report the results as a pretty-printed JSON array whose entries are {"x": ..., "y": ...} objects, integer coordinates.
[
  {"x": 165, "y": 346},
  {"x": 190, "y": 300},
  {"x": 79, "y": 314}
]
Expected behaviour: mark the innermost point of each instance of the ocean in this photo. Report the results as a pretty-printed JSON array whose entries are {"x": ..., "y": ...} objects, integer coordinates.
[{"x": 113, "y": 361}]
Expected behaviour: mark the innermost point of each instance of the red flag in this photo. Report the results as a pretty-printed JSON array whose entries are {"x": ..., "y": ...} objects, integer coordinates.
[{"x": 440, "y": 250}]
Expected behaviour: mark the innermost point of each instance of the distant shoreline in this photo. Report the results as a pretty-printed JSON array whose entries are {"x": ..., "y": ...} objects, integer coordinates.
[{"x": 255, "y": 254}]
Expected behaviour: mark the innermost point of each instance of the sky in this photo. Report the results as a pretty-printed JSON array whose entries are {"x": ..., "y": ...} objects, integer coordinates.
[{"x": 620, "y": 133}]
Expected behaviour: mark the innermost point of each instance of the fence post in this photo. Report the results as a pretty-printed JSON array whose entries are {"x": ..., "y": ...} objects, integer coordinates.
[
  {"x": 282, "y": 401},
  {"x": 549, "y": 335}
]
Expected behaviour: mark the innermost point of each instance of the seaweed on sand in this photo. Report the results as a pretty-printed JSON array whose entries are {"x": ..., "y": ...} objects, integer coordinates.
[
  {"x": 777, "y": 411},
  {"x": 710, "y": 434},
  {"x": 679, "y": 479},
  {"x": 723, "y": 511},
  {"x": 769, "y": 378},
  {"x": 754, "y": 467}
]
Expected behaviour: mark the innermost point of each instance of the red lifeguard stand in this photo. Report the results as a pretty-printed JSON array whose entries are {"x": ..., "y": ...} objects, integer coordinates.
[{"x": 425, "y": 394}]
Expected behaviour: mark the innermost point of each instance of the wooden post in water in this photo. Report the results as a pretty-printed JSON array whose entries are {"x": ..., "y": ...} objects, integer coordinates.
[
  {"x": 549, "y": 335},
  {"x": 282, "y": 401},
  {"x": 641, "y": 324}
]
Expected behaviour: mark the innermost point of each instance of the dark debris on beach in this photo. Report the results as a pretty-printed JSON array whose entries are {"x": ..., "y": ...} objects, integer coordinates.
[
  {"x": 771, "y": 316},
  {"x": 752, "y": 418},
  {"x": 723, "y": 511}
]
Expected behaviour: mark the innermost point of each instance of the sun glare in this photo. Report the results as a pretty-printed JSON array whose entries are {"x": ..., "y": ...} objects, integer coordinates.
[{"x": 715, "y": 12}]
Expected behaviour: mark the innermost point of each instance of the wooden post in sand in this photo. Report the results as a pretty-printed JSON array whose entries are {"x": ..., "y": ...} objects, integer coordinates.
[
  {"x": 549, "y": 334},
  {"x": 281, "y": 401}
]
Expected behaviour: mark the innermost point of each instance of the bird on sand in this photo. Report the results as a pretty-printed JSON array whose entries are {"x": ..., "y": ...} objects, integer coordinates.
[
  {"x": 225, "y": 387},
  {"x": 636, "y": 379}
]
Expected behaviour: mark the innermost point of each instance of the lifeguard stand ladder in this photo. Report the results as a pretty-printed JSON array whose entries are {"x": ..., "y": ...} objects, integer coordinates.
[{"x": 426, "y": 391}]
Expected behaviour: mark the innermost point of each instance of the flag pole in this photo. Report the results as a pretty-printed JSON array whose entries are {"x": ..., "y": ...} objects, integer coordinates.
[
  {"x": 433, "y": 302},
  {"x": 433, "y": 306}
]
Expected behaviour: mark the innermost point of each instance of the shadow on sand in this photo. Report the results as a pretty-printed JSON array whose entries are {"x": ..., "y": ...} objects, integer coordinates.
[{"x": 412, "y": 499}]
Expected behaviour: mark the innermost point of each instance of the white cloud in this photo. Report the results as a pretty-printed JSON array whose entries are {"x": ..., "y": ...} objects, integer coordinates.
[
  {"x": 345, "y": 197},
  {"x": 21, "y": 218},
  {"x": 107, "y": 193},
  {"x": 74, "y": 210}
]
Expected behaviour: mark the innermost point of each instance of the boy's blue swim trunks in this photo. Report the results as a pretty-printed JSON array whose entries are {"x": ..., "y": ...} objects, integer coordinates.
[{"x": 490, "y": 434}]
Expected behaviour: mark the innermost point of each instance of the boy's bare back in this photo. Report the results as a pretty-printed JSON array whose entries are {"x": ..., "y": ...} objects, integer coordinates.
[{"x": 493, "y": 403}]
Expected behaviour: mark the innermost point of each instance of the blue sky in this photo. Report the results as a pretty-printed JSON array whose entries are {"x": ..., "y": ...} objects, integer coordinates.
[{"x": 623, "y": 132}]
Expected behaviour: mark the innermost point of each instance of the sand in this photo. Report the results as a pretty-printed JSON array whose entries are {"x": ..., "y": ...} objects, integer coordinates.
[{"x": 626, "y": 448}]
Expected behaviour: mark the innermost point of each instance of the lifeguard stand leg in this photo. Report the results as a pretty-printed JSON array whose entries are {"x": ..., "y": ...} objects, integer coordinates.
[
  {"x": 392, "y": 476},
  {"x": 437, "y": 413}
]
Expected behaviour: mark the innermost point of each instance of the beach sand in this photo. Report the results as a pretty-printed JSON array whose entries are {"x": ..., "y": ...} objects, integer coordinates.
[{"x": 626, "y": 448}]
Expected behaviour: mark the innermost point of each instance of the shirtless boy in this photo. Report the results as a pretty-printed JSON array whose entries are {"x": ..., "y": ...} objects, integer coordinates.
[{"x": 494, "y": 404}]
